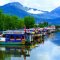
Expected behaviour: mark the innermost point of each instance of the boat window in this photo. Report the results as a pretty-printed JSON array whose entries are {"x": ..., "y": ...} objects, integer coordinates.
[
  {"x": 22, "y": 37},
  {"x": 11, "y": 37},
  {"x": 18, "y": 38},
  {"x": 3, "y": 35}
]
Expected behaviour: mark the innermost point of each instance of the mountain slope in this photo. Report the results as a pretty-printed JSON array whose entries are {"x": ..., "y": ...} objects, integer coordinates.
[
  {"x": 19, "y": 10},
  {"x": 56, "y": 10},
  {"x": 14, "y": 9}
]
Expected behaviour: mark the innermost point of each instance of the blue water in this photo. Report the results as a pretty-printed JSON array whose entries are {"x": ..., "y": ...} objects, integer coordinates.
[{"x": 48, "y": 50}]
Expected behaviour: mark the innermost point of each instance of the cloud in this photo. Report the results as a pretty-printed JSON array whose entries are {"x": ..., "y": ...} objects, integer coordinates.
[
  {"x": 47, "y": 5},
  {"x": 41, "y": 4},
  {"x": 2, "y": 2}
]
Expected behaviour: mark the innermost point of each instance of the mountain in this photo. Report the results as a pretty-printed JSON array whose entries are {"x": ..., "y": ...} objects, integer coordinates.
[
  {"x": 14, "y": 8},
  {"x": 34, "y": 10},
  {"x": 17, "y": 6},
  {"x": 52, "y": 17},
  {"x": 19, "y": 10},
  {"x": 56, "y": 11}
]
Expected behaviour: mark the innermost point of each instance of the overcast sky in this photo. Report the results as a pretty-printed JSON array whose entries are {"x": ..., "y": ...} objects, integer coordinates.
[{"x": 46, "y": 5}]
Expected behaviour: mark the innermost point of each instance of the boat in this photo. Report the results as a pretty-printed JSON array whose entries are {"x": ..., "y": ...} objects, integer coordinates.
[
  {"x": 12, "y": 39},
  {"x": 16, "y": 37}
]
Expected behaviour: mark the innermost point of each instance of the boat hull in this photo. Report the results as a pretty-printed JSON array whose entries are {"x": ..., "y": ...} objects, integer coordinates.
[{"x": 11, "y": 43}]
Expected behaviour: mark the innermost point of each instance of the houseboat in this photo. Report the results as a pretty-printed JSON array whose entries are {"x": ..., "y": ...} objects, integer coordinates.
[
  {"x": 15, "y": 37},
  {"x": 12, "y": 37}
]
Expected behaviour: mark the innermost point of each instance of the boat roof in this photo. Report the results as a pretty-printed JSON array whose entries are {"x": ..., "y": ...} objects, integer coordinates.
[{"x": 13, "y": 32}]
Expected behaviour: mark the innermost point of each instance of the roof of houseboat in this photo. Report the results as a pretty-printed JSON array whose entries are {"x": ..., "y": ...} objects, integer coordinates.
[{"x": 13, "y": 32}]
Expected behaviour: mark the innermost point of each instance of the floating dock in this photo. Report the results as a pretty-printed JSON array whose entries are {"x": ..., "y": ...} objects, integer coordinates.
[{"x": 22, "y": 36}]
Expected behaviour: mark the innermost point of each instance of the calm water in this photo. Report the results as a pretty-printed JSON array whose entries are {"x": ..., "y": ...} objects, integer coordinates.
[{"x": 49, "y": 49}]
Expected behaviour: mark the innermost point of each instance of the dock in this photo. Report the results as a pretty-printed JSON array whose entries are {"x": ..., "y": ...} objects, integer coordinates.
[{"x": 24, "y": 35}]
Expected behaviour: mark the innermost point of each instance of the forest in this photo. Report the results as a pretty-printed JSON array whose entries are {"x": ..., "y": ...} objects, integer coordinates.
[{"x": 8, "y": 22}]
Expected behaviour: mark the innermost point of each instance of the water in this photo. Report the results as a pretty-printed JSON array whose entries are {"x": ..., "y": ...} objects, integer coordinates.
[{"x": 48, "y": 49}]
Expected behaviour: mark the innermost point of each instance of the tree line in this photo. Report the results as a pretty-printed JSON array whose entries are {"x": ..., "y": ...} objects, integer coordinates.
[{"x": 8, "y": 22}]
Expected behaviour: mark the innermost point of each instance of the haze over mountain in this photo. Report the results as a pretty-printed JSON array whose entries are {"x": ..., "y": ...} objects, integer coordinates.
[{"x": 19, "y": 10}]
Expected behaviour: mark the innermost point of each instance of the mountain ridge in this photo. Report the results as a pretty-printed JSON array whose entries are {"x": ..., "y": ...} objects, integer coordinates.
[{"x": 15, "y": 8}]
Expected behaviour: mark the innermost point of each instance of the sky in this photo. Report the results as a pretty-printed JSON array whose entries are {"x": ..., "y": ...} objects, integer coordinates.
[{"x": 46, "y": 5}]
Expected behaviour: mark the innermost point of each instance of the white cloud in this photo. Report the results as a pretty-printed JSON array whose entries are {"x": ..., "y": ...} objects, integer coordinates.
[
  {"x": 39, "y": 4},
  {"x": 2, "y": 2}
]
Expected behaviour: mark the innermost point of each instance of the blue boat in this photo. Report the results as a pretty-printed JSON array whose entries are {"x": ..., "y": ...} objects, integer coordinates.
[{"x": 12, "y": 38}]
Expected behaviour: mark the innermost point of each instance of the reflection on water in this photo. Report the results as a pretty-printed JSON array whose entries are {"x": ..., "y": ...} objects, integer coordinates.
[
  {"x": 11, "y": 53},
  {"x": 47, "y": 49},
  {"x": 56, "y": 39}
]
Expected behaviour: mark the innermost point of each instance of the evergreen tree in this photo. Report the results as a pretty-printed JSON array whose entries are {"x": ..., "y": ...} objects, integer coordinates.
[{"x": 29, "y": 21}]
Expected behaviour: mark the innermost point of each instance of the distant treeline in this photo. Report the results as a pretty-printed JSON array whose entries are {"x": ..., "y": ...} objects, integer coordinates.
[{"x": 8, "y": 22}]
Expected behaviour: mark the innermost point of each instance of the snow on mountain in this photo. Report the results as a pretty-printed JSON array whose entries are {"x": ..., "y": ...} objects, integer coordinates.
[{"x": 32, "y": 11}]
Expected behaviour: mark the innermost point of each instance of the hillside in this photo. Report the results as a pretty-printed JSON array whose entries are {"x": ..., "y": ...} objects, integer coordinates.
[{"x": 19, "y": 10}]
